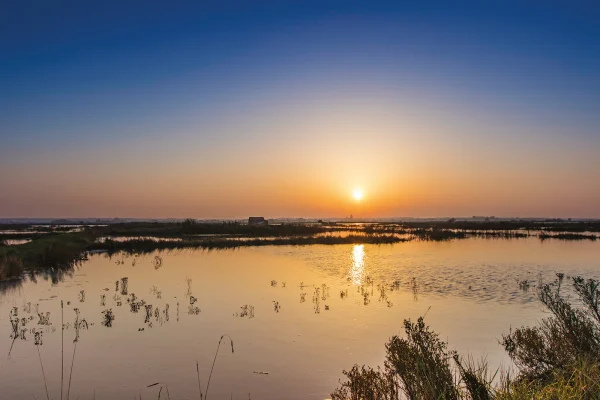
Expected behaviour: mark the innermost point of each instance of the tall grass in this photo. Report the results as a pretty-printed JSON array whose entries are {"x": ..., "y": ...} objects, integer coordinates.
[
  {"x": 50, "y": 252},
  {"x": 558, "y": 359},
  {"x": 11, "y": 265},
  {"x": 214, "y": 362}
]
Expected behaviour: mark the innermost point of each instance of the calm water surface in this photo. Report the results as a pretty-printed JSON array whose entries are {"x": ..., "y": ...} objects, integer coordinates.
[{"x": 309, "y": 313}]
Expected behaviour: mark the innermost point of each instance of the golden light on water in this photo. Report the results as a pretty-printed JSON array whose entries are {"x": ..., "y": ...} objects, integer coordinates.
[
  {"x": 358, "y": 194},
  {"x": 357, "y": 271}
]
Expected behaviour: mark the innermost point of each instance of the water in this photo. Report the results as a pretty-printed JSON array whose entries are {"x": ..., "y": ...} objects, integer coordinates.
[
  {"x": 14, "y": 242},
  {"x": 468, "y": 289}
]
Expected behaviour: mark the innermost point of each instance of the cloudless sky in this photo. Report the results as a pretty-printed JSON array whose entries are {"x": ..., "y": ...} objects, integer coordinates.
[{"x": 227, "y": 109}]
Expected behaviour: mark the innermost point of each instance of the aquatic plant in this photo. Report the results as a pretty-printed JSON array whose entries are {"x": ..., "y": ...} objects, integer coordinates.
[
  {"x": 11, "y": 266},
  {"x": 124, "y": 286},
  {"x": 415, "y": 288},
  {"x": 247, "y": 311},
  {"x": 154, "y": 291},
  {"x": 109, "y": 317},
  {"x": 59, "y": 252},
  {"x": 324, "y": 291},
  {"x": 214, "y": 361},
  {"x": 382, "y": 292},
  {"x": 157, "y": 262},
  {"x": 558, "y": 359},
  {"x": 524, "y": 285},
  {"x": 567, "y": 236},
  {"x": 188, "y": 292},
  {"x": 44, "y": 319},
  {"x": 38, "y": 343},
  {"x": 14, "y": 321},
  {"x": 148, "y": 313},
  {"x": 166, "y": 312},
  {"x": 134, "y": 304}
]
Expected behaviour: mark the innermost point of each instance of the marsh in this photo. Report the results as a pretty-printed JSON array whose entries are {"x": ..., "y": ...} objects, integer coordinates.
[{"x": 297, "y": 314}]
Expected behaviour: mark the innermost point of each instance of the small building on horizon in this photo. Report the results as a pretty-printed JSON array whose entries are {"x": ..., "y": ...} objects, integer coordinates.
[{"x": 257, "y": 221}]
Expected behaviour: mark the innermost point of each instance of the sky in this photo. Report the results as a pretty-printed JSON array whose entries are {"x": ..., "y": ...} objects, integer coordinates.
[{"x": 283, "y": 109}]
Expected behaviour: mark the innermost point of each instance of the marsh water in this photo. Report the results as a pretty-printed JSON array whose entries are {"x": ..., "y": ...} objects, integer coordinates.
[{"x": 297, "y": 316}]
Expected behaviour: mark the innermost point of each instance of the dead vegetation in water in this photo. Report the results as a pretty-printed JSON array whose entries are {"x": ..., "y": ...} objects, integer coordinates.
[{"x": 247, "y": 310}]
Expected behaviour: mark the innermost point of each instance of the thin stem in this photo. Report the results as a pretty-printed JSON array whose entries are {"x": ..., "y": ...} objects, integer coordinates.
[
  {"x": 214, "y": 361},
  {"x": 62, "y": 349},
  {"x": 43, "y": 373},
  {"x": 198, "y": 373},
  {"x": 11, "y": 347},
  {"x": 71, "y": 374}
]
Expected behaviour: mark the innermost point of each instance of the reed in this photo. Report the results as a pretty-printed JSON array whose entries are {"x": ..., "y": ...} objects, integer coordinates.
[
  {"x": 71, "y": 373},
  {"x": 214, "y": 362},
  {"x": 43, "y": 373},
  {"x": 62, "y": 349},
  {"x": 198, "y": 375}
]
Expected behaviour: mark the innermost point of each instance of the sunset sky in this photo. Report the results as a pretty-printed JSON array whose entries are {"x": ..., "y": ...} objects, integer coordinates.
[{"x": 283, "y": 109}]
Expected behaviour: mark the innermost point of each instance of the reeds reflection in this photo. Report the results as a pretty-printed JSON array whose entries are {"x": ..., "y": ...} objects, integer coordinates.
[{"x": 357, "y": 272}]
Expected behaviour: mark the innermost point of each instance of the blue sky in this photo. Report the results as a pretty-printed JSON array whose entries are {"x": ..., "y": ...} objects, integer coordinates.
[{"x": 110, "y": 92}]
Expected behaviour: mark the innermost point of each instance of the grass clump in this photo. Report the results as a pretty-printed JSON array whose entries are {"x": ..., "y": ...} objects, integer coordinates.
[
  {"x": 51, "y": 252},
  {"x": 559, "y": 342},
  {"x": 558, "y": 359},
  {"x": 581, "y": 383},
  {"x": 11, "y": 265},
  {"x": 417, "y": 367},
  {"x": 422, "y": 363}
]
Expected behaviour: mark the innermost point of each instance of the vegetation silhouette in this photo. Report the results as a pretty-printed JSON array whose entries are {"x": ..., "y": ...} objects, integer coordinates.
[
  {"x": 558, "y": 359},
  {"x": 53, "y": 252}
]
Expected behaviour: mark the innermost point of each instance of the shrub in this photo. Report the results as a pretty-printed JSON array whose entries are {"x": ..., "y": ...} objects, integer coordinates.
[{"x": 558, "y": 359}]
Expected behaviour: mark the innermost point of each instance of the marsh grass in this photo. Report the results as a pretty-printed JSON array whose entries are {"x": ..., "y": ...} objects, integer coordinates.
[
  {"x": 11, "y": 265},
  {"x": 558, "y": 359},
  {"x": 58, "y": 251},
  {"x": 568, "y": 236},
  {"x": 213, "y": 364},
  {"x": 43, "y": 372},
  {"x": 140, "y": 246},
  {"x": 582, "y": 382},
  {"x": 190, "y": 227}
]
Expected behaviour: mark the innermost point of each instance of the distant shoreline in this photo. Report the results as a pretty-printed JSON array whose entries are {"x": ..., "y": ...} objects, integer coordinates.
[
  {"x": 278, "y": 220},
  {"x": 34, "y": 248}
]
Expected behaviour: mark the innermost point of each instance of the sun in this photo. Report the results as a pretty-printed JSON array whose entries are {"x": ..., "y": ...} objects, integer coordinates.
[{"x": 358, "y": 194}]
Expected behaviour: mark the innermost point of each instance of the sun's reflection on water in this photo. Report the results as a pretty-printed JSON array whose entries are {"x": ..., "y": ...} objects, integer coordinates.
[{"x": 357, "y": 272}]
